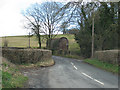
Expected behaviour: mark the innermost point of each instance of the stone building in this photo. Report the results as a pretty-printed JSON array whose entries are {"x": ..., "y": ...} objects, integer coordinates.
[{"x": 60, "y": 45}]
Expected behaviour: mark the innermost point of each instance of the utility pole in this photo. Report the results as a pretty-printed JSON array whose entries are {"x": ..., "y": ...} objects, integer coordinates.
[
  {"x": 118, "y": 32},
  {"x": 92, "y": 48}
]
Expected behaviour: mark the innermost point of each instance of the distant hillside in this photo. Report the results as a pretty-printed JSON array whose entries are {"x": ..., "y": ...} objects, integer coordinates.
[{"x": 23, "y": 41}]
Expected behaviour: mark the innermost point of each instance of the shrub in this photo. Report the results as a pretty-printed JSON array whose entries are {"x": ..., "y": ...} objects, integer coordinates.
[
  {"x": 110, "y": 56},
  {"x": 83, "y": 38}
]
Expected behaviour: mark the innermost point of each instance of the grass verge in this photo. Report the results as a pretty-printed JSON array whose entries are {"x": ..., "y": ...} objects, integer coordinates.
[
  {"x": 103, "y": 65},
  {"x": 43, "y": 63},
  {"x": 11, "y": 76}
]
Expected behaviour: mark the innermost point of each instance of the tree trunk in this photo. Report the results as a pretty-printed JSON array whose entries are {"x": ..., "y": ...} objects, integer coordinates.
[
  {"x": 49, "y": 38},
  {"x": 39, "y": 41},
  {"x": 64, "y": 32}
]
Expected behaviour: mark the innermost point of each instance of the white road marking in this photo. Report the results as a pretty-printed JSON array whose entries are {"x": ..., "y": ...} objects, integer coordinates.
[
  {"x": 75, "y": 67},
  {"x": 92, "y": 78},
  {"x": 98, "y": 81},
  {"x": 87, "y": 76}
]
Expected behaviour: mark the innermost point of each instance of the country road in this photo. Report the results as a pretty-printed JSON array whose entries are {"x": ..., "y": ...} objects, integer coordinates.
[{"x": 70, "y": 73}]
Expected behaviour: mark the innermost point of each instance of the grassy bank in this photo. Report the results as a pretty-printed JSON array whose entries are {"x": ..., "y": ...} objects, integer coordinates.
[
  {"x": 11, "y": 75},
  {"x": 44, "y": 63},
  {"x": 103, "y": 65}
]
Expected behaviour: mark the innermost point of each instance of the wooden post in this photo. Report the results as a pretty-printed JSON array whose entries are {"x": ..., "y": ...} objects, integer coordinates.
[{"x": 29, "y": 39}]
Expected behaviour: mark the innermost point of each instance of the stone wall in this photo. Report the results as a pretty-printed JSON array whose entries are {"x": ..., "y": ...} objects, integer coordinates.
[
  {"x": 110, "y": 56},
  {"x": 20, "y": 56}
]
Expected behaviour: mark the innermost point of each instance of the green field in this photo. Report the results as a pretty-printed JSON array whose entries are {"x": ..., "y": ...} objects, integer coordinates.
[{"x": 23, "y": 41}]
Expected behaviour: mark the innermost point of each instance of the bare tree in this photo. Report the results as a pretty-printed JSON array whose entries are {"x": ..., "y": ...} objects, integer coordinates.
[
  {"x": 64, "y": 26},
  {"x": 44, "y": 18},
  {"x": 50, "y": 17},
  {"x": 33, "y": 22}
]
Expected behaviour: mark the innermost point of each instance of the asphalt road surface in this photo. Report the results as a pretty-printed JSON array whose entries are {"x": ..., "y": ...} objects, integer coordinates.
[{"x": 70, "y": 73}]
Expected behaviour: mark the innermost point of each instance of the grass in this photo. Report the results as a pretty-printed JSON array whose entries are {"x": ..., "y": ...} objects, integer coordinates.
[
  {"x": 11, "y": 76},
  {"x": 43, "y": 63},
  {"x": 20, "y": 41},
  {"x": 103, "y": 65},
  {"x": 12, "y": 81},
  {"x": 23, "y": 41}
]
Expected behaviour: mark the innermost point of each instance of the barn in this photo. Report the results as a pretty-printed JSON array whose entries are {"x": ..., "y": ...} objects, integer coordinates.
[{"x": 60, "y": 45}]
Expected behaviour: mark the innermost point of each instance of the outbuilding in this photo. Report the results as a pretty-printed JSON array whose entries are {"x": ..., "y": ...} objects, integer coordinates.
[{"x": 59, "y": 45}]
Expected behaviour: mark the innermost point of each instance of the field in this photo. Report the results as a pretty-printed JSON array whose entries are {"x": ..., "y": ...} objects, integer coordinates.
[{"x": 23, "y": 41}]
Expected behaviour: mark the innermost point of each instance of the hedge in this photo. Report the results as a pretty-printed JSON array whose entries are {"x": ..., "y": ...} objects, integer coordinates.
[
  {"x": 20, "y": 56},
  {"x": 110, "y": 56}
]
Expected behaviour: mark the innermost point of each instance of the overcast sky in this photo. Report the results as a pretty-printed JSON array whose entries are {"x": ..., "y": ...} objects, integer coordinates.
[{"x": 10, "y": 16}]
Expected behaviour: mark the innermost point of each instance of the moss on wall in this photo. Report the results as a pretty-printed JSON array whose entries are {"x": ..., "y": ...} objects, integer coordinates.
[{"x": 20, "y": 56}]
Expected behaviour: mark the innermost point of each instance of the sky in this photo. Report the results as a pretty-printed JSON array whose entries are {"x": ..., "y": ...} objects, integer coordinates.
[{"x": 11, "y": 19}]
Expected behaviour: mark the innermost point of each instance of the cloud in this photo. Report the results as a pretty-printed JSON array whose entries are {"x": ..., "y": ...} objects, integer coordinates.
[
  {"x": 2, "y": 2},
  {"x": 10, "y": 16}
]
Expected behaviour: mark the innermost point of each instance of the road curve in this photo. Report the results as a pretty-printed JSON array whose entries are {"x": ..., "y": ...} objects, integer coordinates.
[{"x": 70, "y": 73}]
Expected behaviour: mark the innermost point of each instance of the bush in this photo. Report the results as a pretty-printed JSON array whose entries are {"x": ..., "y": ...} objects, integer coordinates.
[
  {"x": 83, "y": 38},
  {"x": 110, "y": 56}
]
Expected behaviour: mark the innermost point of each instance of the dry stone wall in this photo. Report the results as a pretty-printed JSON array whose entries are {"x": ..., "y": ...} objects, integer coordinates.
[{"x": 20, "y": 56}]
